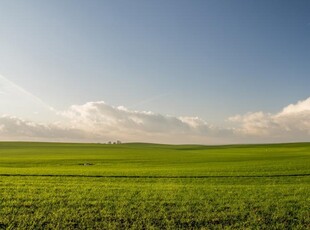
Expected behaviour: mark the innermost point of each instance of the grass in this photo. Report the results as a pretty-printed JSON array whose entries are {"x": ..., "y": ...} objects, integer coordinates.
[{"x": 148, "y": 186}]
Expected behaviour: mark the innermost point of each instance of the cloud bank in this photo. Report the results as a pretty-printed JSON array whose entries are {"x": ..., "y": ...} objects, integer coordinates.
[
  {"x": 99, "y": 118},
  {"x": 290, "y": 124},
  {"x": 14, "y": 128},
  {"x": 100, "y": 122}
]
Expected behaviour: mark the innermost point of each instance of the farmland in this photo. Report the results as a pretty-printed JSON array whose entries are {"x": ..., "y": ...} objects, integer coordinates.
[{"x": 150, "y": 186}]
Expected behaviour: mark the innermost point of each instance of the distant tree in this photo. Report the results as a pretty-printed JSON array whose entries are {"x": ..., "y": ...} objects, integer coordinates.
[
  {"x": 118, "y": 142},
  {"x": 109, "y": 142}
]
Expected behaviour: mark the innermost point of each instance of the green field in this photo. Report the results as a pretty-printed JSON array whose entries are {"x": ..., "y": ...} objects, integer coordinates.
[{"x": 148, "y": 186}]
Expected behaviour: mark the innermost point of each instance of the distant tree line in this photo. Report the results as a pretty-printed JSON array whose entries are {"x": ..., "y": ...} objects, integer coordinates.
[{"x": 118, "y": 142}]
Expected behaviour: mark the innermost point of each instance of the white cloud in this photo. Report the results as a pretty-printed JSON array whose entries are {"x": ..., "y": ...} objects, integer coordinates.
[
  {"x": 291, "y": 124},
  {"x": 299, "y": 107},
  {"x": 13, "y": 128},
  {"x": 100, "y": 122},
  {"x": 119, "y": 122}
]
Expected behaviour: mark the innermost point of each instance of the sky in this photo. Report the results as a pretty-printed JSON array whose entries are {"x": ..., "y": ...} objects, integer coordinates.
[{"x": 207, "y": 72}]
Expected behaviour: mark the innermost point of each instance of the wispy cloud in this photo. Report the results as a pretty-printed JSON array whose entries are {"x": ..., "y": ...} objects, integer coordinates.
[
  {"x": 7, "y": 85},
  {"x": 150, "y": 99}
]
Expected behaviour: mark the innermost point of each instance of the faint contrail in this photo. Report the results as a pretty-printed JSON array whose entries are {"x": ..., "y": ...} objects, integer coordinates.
[
  {"x": 20, "y": 89},
  {"x": 150, "y": 99}
]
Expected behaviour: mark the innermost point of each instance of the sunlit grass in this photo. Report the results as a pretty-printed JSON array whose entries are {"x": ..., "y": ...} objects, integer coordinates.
[{"x": 141, "y": 186}]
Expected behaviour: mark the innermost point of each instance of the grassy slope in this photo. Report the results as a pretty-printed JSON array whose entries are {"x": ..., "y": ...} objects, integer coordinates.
[
  {"x": 154, "y": 160},
  {"x": 161, "y": 186}
]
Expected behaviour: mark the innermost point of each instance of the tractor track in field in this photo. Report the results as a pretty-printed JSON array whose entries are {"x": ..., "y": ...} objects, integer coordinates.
[{"x": 154, "y": 177}]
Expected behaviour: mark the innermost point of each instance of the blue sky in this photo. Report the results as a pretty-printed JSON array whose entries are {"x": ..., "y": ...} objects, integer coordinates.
[{"x": 210, "y": 59}]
